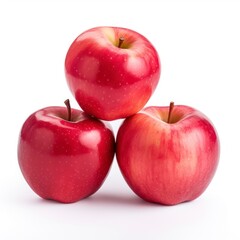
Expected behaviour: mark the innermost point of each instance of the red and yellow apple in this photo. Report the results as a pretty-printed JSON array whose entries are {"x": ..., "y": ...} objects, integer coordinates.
[
  {"x": 111, "y": 71},
  {"x": 65, "y": 155},
  {"x": 168, "y": 155}
]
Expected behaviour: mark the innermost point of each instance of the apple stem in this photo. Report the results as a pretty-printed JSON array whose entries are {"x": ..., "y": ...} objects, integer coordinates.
[
  {"x": 170, "y": 111},
  {"x": 121, "y": 40},
  {"x": 67, "y": 103}
]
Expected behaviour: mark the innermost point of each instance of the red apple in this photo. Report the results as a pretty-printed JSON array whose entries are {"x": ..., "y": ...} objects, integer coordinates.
[
  {"x": 168, "y": 156},
  {"x": 112, "y": 71},
  {"x": 65, "y": 155}
]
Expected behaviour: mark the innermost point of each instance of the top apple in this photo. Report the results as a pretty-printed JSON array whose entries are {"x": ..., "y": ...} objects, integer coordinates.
[{"x": 112, "y": 71}]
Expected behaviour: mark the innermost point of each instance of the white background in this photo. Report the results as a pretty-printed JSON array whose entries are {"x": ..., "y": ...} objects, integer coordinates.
[{"x": 199, "y": 46}]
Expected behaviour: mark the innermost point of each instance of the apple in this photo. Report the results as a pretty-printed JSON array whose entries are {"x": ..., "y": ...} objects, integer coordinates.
[
  {"x": 112, "y": 71},
  {"x": 168, "y": 155},
  {"x": 64, "y": 154}
]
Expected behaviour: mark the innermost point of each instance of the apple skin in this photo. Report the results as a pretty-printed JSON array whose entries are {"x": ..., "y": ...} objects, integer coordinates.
[
  {"x": 111, "y": 82},
  {"x": 65, "y": 160},
  {"x": 168, "y": 163}
]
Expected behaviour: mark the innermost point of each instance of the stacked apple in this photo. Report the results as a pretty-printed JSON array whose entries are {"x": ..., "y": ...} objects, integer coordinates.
[{"x": 167, "y": 155}]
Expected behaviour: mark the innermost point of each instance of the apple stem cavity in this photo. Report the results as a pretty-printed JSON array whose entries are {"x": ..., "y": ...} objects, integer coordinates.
[
  {"x": 69, "y": 110},
  {"x": 170, "y": 111},
  {"x": 121, "y": 40}
]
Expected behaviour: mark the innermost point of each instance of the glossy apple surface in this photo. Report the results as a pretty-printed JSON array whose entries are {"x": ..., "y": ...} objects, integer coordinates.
[
  {"x": 112, "y": 71},
  {"x": 168, "y": 162},
  {"x": 64, "y": 160}
]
